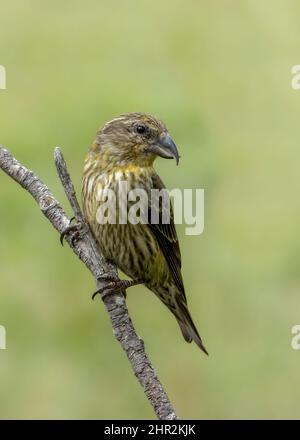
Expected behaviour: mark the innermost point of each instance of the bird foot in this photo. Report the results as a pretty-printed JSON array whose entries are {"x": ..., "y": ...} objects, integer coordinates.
[
  {"x": 115, "y": 285},
  {"x": 75, "y": 230}
]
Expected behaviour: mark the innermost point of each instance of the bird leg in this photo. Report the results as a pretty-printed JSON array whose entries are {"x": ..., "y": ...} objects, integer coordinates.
[
  {"x": 115, "y": 285},
  {"x": 75, "y": 230}
]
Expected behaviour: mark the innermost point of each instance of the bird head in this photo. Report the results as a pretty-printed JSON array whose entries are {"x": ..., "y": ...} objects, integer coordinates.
[{"x": 134, "y": 138}]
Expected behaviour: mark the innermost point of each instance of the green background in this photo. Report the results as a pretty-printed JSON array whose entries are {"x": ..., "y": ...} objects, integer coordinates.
[{"x": 219, "y": 74}]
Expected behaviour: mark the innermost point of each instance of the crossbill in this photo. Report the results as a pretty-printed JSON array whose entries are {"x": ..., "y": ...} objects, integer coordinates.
[{"x": 124, "y": 150}]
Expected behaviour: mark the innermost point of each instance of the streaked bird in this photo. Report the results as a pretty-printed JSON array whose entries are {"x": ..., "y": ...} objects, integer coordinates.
[{"x": 124, "y": 150}]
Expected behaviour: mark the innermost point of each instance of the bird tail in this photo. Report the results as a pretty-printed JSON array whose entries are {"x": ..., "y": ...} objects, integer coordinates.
[{"x": 188, "y": 328}]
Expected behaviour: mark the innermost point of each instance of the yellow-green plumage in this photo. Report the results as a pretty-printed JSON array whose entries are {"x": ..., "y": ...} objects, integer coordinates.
[{"x": 143, "y": 251}]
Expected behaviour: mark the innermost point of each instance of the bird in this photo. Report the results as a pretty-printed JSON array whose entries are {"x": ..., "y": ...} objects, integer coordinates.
[{"x": 124, "y": 150}]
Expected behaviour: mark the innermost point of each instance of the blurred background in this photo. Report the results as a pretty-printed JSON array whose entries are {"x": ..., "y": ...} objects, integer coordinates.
[{"x": 219, "y": 75}]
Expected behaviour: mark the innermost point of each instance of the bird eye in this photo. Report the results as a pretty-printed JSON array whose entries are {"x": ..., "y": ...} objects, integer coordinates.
[{"x": 140, "y": 129}]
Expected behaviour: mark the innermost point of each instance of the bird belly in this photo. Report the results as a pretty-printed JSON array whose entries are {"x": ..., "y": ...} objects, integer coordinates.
[{"x": 133, "y": 249}]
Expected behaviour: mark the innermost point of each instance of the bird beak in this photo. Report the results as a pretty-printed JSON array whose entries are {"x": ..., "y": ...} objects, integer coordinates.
[{"x": 165, "y": 148}]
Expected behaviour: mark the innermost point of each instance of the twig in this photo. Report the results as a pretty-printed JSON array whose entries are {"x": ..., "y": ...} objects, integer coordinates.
[{"x": 87, "y": 250}]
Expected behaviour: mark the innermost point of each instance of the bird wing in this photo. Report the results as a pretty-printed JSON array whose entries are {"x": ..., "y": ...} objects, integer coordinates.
[{"x": 166, "y": 236}]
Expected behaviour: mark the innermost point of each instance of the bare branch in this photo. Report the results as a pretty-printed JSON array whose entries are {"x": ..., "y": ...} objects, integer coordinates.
[{"x": 87, "y": 250}]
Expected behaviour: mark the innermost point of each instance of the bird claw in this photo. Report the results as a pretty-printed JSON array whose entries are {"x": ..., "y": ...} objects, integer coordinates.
[
  {"x": 114, "y": 285},
  {"x": 75, "y": 230}
]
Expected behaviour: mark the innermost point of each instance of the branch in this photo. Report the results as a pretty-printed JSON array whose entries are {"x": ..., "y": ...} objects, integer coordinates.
[{"x": 87, "y": 250}]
